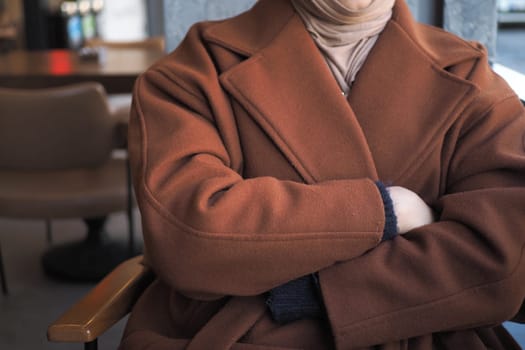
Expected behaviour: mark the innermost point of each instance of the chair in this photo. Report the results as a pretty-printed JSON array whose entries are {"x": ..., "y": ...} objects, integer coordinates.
[
  {"x": 120, "y": 104},
  {"x": 107, "y": 303},
  {"x": 56, "y": 162}
]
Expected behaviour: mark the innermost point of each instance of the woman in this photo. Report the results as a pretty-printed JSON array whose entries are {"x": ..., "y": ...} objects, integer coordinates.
[{"x": 260, "y": 151}]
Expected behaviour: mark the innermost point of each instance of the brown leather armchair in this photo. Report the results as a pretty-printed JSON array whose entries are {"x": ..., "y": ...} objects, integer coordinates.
[
  {"x": 107, "y": 303},
  {"x": 56, "y": 162}
]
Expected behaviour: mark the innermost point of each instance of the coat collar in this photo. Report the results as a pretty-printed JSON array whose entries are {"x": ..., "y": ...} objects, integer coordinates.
[
  {"x": 389, "y": 120},
  {"x": 252, "y": 31}
]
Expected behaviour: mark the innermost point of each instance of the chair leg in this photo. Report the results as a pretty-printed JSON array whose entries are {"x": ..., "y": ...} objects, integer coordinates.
[
  {"x": 92, "y": 345},
  {"x": 129, "y": 210},
  {"x": 2, "y": 275}
]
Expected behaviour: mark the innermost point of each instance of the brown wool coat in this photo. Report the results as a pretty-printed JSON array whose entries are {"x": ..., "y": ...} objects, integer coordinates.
[{"x": 251, "y": 169}]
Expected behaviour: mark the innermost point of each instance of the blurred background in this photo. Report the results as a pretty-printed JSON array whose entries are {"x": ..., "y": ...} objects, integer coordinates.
[
  {"x": 48, "y": 24},
  {"x": 51, "y": 24}
]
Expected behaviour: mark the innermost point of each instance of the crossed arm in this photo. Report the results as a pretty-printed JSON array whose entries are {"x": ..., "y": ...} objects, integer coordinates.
[
  {"x": 196, "y": 207},
  {"x": 301, "y": 298}
]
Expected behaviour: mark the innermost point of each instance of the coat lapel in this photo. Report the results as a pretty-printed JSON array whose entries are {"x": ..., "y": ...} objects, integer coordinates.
[
  {"x": 404, "y": 99},
  {"x": 400, "y": 103},
  {"x": 290, "y": 92}
]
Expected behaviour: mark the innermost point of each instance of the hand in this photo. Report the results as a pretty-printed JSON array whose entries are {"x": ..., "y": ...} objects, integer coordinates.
[{"x": 411, "y": 211}]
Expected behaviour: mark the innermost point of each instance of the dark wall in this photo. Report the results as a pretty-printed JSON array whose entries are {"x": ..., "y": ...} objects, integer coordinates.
[
  {"x": 35, "y": 25},
  {"x": 43, "y": 29},
  {"x": 155, "y": 10},
  {"x": 431, "y": 12}
]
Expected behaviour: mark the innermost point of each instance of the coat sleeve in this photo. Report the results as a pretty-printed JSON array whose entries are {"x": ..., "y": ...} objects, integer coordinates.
[
  {"x": 208, "y": 231},
  {"x": 465, "y": 270}
]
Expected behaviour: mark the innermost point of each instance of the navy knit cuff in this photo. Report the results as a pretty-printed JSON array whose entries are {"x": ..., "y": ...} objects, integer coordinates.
[
  {"x": 390, "y": 230},
  {"x": 295, "y": 300}
]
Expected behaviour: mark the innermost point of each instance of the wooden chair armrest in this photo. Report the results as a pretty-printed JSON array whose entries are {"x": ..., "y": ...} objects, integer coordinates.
[{"x": 107, "y": 303}]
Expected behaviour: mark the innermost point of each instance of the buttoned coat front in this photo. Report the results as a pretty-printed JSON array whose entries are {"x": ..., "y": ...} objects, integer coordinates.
[{"x": 251, "y": 169}]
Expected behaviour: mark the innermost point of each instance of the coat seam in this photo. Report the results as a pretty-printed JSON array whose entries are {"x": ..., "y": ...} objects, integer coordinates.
[
  {"x": 249, "y": 236},
  {"x": 384, "y": 318},
  {"x": 426, "y": 151},
  {"x": 269, "y": 123},
  {"x": 509, "y": 95},
  {"x": 427, "y": 55},
  {"x": 179, "y": 82},
  {"x": 171, "y": 218},
  {"x": 211, "y": 38},
  {"x": 473, "y": 125}
]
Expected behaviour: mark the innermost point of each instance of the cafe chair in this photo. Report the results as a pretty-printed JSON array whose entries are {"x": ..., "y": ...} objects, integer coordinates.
[
  {"x": 120, "y": 104},
  {"x": 107, "y": 303},
  {"x": 57, "y": 162}
]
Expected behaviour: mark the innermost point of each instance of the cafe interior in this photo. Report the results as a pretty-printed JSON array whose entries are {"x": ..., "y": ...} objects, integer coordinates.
[{"x": 70, "y": 232}]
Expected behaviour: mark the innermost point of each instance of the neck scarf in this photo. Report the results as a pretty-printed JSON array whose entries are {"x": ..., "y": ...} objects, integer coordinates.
[{"x": 344, "y": 35}]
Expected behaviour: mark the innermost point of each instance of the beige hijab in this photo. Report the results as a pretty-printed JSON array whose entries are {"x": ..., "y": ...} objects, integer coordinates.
[{"x": 344, "y": 35}]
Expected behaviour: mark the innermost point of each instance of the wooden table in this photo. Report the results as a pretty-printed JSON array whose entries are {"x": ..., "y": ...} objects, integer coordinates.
[{"x": 116, "y": 68}]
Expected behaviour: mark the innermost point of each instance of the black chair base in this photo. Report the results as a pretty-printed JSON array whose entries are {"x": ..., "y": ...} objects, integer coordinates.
[
  {"x": 3, "y": 278},
  {"x": 91, "y": 345},
  {"x": 89, "y": 260},
  {"x": 84, "y": 262}
]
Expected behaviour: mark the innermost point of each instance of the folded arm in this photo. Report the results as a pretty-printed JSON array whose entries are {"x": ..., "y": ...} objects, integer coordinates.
[
  {"x": 301, "y": 298},
  {"x": 210, "y": 232},
  {"x": 467, "y": 269}
]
